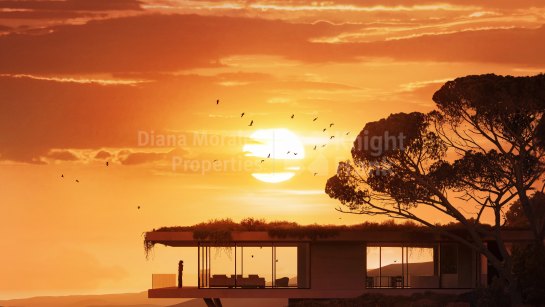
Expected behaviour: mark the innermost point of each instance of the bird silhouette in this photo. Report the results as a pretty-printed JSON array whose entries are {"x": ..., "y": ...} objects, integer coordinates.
[
  {"x": 214, "y": 161},
  {"x": 315, "y": 118},
  {"x": 251, "y": 123},
  {"x": 331, "y": 137},
  {"x": 262, "y": 161},
  {"x": 292, "y": 116},
  {"x": 77, "y": 181},
  {"x": 107, "y": 163},
  {"x": 242, "y": 114},
  {"x": 324, "y": 130},
  {"x": 295, "y": 153},
  {"x": 323, "y": 145},
  {"x": 217, "y": 101},
  {"x": 269, "y": 156},
  {"x": 348, "y": 133},
  {"x": 138, "y": 207},
  {"x": 288, "y": 152},
  {"x": 331, "y": 125},
  {"x": 62, "y": 175},
  {"x": 314, "y": 147},
  {"x": 315, "y": 174}
]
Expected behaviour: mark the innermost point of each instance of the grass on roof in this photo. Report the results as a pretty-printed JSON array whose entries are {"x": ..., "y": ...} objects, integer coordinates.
[
  {"x": 282, "y": 229},
  {"x": 219, "y": 231}
]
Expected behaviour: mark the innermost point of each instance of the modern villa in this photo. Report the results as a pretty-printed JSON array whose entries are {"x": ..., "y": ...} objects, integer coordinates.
[{"x": 340, "y": 263}]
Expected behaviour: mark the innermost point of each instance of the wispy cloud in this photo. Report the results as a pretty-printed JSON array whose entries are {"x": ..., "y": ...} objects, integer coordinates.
[
  {"x": 356, "y": 8},
  {"x": 80, "y": 80}
]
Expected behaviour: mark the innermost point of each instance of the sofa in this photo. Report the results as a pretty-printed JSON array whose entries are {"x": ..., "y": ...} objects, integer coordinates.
[{"x": 252, "y": 281}]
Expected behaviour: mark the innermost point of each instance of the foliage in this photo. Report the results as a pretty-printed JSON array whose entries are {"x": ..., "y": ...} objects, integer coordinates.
[
  {"x": 529, "y": 269},
  {"x": 515, "y": 216},
  {"x": 491, "y": 296}
]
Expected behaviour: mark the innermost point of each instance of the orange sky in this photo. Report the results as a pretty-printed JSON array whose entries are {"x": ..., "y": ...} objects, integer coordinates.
[{"x": 80, "y": 79}]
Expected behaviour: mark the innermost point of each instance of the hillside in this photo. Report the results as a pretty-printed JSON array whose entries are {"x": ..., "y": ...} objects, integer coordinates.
[
  {"x": 130, "y": 300},
  {"x": 418, "y": 268}
]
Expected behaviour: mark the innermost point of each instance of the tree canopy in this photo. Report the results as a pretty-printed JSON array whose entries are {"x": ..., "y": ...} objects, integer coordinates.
[{"x": 477, "y": 153}]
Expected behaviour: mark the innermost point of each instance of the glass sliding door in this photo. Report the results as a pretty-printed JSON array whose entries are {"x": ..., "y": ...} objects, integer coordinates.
[
  {"x": 391, "y": 266},
  {"x": 420, "y": 269},
  {"x": 384, "y": 267},
  {"x": 251, "y": 265}
]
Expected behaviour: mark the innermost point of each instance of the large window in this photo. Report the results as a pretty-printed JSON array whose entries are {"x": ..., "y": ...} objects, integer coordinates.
[
  {"x": 400, "y": 267},
  {"x": 254, "y": 266}
]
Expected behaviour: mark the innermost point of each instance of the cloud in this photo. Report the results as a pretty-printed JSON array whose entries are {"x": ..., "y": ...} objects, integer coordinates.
[
  {"x": 153, "y": 43},
  {"x": 32, "y": 15},
  {"x": 37, "y": 116},
  {"x": 103, "y": 155},
  {"x": 135, "y": 158},
  {"x": 158, "y": 43},
  {"x": 62, "y": 155},
  {"x": 47, "y": 15},
  {"x": 70, "y": 5},
  {"x": 392, "y": 4},
  {"x": 506, "y": 46}
]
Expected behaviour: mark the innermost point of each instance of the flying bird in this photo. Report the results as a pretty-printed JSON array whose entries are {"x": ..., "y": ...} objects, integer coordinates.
[
  {"x": 251, "y": 123},
  {"x": 295, "y": 153},
  {"x": 314, "y": 147},
  {"x": 315, "y": 118},
  {"x": 77, "y": 181},
  {"x": 348, "y": 133},
  {"x": 331, "y": 137},
  {"x": 138, "y": 207},
  {"x": 107, "y": 163},
  {"x": 292, "y": 116},
  {"x": 62, "y": 175},
  {"x": 288, "y": 152},
  {"x": 242, "y": 114},
  {"x": 214, "y": 161},
  {"x": 324, "y": 130},
  {"x": 217, "y": 101},
  {"x": 262, "y": 161},
  {"x": 323, "y": 145},
  {"x": 269, "y": 156},
  {"x": 315, "y": 174},
  {"x": 331, "y": 125}
]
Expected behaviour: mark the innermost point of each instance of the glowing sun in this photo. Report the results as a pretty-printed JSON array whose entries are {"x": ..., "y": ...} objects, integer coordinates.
[{"x": 280, "y": 148}]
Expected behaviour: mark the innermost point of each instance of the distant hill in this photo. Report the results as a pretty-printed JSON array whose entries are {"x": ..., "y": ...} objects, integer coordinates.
[
  {"x": 103, "y": 300},
  {"x": 130, "y": 300},
  {"x": 418, "y": 268}
]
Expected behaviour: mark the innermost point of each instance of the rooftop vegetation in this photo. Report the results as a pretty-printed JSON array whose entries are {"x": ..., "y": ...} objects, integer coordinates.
[{"x": 219, "y": 231}]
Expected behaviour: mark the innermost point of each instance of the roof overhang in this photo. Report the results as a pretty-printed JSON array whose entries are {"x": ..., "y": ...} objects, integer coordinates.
[{"x": 187, "y": 239}]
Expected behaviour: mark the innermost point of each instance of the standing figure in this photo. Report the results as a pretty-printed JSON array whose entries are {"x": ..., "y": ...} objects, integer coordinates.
[{"x": 180, "y": 272}]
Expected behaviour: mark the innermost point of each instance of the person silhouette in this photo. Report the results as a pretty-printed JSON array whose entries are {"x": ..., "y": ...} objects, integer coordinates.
[{"x": 180, "y": 272}]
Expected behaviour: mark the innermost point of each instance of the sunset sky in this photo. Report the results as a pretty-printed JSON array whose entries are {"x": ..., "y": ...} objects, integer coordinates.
[{"x": 83, "y": 82}]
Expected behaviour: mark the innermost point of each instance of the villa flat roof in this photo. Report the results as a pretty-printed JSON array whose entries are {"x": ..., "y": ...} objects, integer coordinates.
[{"x": 187, "y": 239}]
